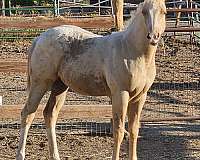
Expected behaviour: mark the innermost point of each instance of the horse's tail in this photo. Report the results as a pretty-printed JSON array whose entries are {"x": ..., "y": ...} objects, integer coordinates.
[{"x": 30, "y": 51}]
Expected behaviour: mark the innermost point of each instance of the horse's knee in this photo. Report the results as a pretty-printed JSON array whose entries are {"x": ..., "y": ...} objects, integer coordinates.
[
  {"x": 118, "y": 134},
  {"x": 27, "y": 116},
  {"x": 133, "y": 133}
]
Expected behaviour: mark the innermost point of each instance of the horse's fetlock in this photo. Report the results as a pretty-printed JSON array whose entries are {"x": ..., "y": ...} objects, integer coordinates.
[{"x": 20, "y": 156}]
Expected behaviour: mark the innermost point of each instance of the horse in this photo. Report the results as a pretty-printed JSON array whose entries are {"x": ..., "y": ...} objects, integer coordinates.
[{"x": 120, "y": 65}]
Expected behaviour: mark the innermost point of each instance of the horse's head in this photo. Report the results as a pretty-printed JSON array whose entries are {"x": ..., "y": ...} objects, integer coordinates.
[{"x": 154, "y": 14}]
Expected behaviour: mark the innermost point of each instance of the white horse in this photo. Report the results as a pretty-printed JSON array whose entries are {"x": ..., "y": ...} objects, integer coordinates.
[{"x": 121, "y": 66}]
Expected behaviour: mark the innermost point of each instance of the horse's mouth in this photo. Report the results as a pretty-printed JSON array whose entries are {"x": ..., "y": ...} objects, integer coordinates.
[{"x": 153, "y": 42}]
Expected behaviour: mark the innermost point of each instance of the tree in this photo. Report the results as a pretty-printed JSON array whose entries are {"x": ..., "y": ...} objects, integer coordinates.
[
  {"x": 30, "y": 2},
  {"x": 118, "y": 12}
]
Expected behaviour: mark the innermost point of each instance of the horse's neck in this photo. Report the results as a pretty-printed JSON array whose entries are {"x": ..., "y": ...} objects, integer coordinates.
[{"x": 136, "y": 38}]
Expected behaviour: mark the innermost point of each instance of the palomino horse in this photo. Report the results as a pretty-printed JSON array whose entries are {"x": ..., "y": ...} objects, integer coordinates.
[{"x": 121, "y": 66}]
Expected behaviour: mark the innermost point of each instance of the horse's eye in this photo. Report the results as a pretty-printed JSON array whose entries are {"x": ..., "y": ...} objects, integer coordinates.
[{"x": 144, "y": 12}]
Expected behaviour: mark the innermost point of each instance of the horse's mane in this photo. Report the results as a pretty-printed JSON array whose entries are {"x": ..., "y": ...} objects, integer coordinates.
[{"x": 133, "y": 15}]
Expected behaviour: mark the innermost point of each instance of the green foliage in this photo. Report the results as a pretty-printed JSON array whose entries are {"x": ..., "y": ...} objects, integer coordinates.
[
  {"x": 30, "y": 2},
  {"x": 22, "y": 2}
]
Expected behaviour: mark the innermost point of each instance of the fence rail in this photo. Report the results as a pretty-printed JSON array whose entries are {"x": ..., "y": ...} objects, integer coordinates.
[{"x": 81, "y": 112}]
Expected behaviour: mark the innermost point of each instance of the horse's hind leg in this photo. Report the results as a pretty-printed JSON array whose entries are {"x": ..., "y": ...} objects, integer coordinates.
[
  {"x": 37, "y": 90},
  {"x": 55, "y": 102}
]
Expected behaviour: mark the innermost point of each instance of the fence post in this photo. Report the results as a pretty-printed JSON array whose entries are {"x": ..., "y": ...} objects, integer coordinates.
[
  {"x": 58, "y": 9},
  {"x": 118, "y": 12},
  {"x": 99, "y": 10},
  {"x": 197, "y": 14},
  {"x": 3, "y": 8},
  {"x": 178, "y": 15},
  {"x": 55, "y": 7},
  {"x": 9, "y": 4},
  {"x": 112, "y": 12}
]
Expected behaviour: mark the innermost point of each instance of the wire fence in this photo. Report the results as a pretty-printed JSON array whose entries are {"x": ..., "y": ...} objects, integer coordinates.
[
  {"x": 61, "y": 8},
  {"x": 72, "y": 126},
  {"x": 175, "y": 92}
]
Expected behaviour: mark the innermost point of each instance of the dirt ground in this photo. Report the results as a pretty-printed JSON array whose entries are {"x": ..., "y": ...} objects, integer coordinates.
[
  {"x": 175, "y": 93},
  {"x": 42, "y": 22},
  {"x": 157, "y": 141}
]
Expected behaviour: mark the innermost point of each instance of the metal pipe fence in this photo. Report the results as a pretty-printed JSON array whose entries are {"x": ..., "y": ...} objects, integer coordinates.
[{"x": 57, "y": 9}]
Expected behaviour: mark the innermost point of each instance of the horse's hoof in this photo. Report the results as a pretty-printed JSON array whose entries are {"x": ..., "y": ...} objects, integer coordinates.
[
  {"x": 54, "y": 158},
  {"x": 20, "y": 157}
]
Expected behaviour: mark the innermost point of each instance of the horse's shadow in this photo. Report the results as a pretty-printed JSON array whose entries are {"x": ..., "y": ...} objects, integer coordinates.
[
  {"x": 169, "y": 141},
  {"x": 157, "y": 141}
]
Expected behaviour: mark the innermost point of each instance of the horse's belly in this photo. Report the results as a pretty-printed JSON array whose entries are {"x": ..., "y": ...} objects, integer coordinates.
[
  {"x": 90, "y": 87},
  {"x": 86, "y": 83}
]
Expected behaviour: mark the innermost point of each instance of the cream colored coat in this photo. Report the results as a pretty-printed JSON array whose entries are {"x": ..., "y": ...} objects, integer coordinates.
[{"x": 120, "y": 65}]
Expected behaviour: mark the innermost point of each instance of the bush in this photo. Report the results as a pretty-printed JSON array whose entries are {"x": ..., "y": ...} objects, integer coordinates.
[{"x": 30, "y": 2}]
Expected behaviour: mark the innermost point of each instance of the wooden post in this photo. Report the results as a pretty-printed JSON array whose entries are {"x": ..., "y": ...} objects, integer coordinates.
[
  {"x": 178, "y": 16},
  {"x": 118, "y": 13},
  {"x": 3, "y": 8}
]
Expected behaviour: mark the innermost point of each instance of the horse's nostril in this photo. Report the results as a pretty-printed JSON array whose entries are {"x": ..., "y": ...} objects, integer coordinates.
[
  {"x": 156, "y": 36},
  {"x": 148, "y": 36}
]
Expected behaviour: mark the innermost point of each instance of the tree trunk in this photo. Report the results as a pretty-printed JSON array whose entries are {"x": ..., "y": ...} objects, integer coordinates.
[{"x": 118, "y": 13}]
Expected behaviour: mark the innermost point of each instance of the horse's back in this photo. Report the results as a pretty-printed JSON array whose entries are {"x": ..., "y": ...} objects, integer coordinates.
[{"x": 68, "y": 31}]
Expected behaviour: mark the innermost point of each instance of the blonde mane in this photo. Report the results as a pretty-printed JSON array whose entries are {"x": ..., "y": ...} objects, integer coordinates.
[{"x": 133, "y": 14}]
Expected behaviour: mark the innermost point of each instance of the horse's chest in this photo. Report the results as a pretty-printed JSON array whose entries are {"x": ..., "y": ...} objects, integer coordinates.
[{"x": 141, "y": 80}]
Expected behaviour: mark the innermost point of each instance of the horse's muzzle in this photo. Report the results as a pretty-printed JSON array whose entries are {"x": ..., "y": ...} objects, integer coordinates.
[{"x": 153, "y": 38}]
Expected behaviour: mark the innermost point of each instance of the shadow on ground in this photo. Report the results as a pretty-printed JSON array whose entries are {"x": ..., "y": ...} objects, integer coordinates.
[{"x": 169, "y": 141}]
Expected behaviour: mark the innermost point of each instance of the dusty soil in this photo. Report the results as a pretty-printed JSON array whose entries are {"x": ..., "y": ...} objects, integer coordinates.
[
  {"x": 158, "y": 141},
  {"x": 174, "y": 93},
  {"x": 42, "y": 22}
]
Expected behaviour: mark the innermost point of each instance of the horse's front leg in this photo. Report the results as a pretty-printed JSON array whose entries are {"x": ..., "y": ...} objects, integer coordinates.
[
  {"x": 134, "y": 112},
  {"x": 119, "y": 109}
]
